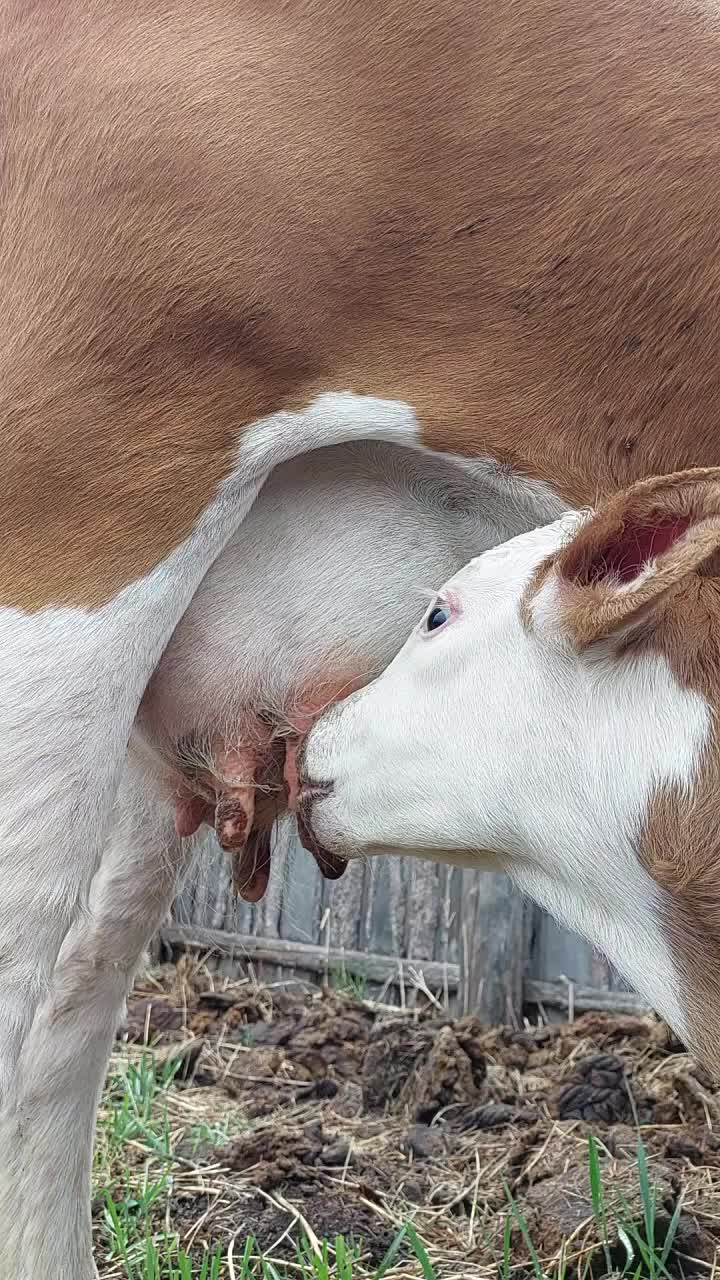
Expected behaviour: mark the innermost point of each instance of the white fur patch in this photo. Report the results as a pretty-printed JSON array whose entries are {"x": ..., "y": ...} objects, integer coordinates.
[{"x": 333, "y": 418}]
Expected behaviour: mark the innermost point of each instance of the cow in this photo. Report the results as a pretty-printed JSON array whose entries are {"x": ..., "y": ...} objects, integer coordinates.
[
  {"x": 555, "y": 714},
  {"x": 234, "y": 234}
]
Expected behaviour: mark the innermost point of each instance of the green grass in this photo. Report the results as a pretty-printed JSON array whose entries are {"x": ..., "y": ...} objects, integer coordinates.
[
  {"x": 135, "y": 1192},
  {"x": 350, "y": 984},
  {"x": 135, "y": 1174},
  {"x": 646, "y": 1249},
  {"x": 645, "y": 1255}
]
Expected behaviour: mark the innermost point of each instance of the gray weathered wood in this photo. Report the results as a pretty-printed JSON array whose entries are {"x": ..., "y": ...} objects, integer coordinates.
[
  {"x": 495, "y": 922},
  {"x": 556, "y": 995},
  {"x": 398, "y": 906},
  {"x": 385, "y": 910},
  {"x": 376, "y": 968},
  {"x": 558, "y": 953},
  {"x": 425, "y": 910},
  {"x": 551, "y": 995},
  {"x": 344, "y": 902},
  {"x": 378, "y": 920}
]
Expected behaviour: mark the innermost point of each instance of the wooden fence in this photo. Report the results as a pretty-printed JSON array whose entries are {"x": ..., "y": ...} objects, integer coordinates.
[{"x": 398, "y": 926}]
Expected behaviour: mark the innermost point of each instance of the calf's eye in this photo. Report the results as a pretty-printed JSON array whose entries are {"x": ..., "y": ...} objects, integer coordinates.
[{"x": 437, "y": 617}]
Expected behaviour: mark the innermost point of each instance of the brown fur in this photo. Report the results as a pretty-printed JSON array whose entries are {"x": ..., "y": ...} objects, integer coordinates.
[
  {"x": 508, "y": 216},
  {"x": 678, "y": 609}
]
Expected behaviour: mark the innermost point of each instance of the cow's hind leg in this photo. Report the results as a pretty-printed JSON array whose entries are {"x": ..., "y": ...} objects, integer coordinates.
[
  {"x": 64, "y": 1059},
  {"x": 70, "y": 684}
]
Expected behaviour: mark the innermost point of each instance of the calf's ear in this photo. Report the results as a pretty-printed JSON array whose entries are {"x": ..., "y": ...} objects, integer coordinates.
[{"x": 616, "y": 572}]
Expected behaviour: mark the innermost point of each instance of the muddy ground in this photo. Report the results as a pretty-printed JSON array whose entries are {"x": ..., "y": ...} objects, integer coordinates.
[{"x": 339, "y": 1117}]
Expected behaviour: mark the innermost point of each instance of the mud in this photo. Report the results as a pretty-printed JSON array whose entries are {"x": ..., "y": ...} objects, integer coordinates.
[{"x": 359, "y": 1119}]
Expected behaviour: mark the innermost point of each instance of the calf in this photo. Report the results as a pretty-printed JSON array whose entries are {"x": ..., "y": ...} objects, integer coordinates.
[{"x": 555, "y": 714}]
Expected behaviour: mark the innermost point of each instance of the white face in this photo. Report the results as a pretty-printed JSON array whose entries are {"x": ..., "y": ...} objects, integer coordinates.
[{"x": 486, "y": 743}]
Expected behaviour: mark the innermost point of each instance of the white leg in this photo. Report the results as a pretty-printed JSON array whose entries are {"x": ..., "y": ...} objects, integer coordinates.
[
  {"x": 64, "y": 1058},
  {"x": 70, "y": 685}
]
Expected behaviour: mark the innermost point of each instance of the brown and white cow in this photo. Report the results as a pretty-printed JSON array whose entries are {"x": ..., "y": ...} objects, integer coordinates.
[{"x": 234, "y": 233}]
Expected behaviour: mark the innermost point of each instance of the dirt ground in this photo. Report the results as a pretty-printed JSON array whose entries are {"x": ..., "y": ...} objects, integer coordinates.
[{"x": 342, "y": 1118}]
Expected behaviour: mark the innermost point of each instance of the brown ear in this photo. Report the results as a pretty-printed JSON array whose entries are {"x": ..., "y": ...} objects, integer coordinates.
[{"x": 622, "y": 563}]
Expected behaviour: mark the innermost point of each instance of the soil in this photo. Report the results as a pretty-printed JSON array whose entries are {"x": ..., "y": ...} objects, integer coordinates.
[{"x": 351, "y": 1119}]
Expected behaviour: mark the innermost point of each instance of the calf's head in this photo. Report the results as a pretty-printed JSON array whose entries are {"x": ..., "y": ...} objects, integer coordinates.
[{"x": 555, "y": 714}]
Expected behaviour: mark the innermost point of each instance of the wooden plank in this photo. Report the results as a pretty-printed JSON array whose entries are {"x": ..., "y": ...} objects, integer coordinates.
[
  {"x": 422, "y": 922},
  {"x": 555, "y": 995},
  {"x": 398, "y": 906},
  {"x": 344, "y": 900},
  {"x": 618, "y": 982},
  {"x": 270, "y": 910},
  {"x": 455, "y": 939},
  {"x": 470, "y": 921},
  {"x": 378, "y": 935},
  {"x": 381, "y": 969},
  {"x": 557, "y": 954},
  {"x": 215, "y": 884},
  {"x": 184, "y": 904},
  {"x": 496, "y": 935},
  {"x": 280, "y": 951},
  {"x": 302, "y": 891},
  {"x": 600, "y": 971},
  {"x": 445, "y": 920},
  {"x": 208, "y": 899}
]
